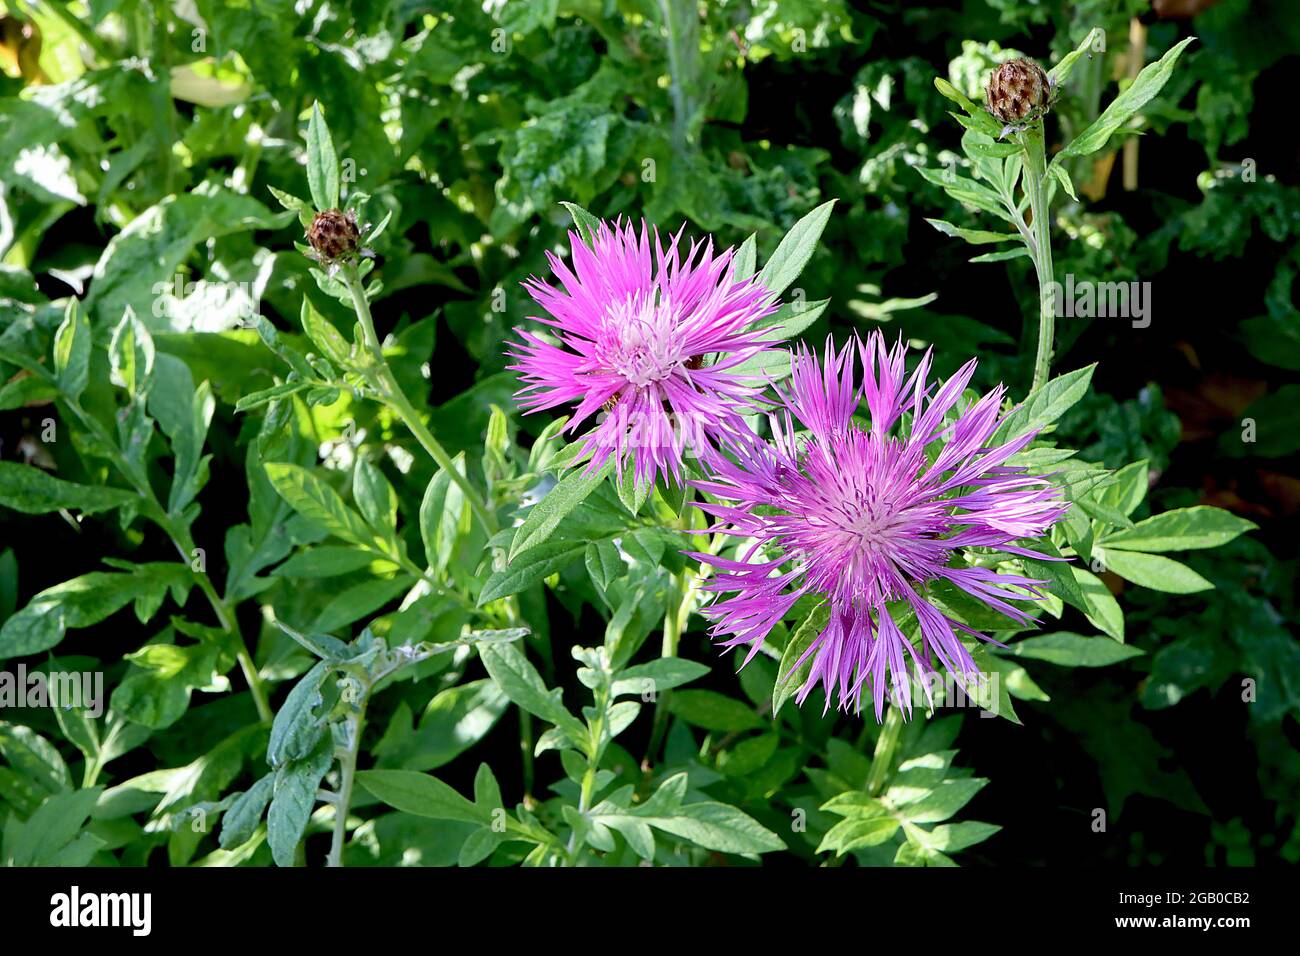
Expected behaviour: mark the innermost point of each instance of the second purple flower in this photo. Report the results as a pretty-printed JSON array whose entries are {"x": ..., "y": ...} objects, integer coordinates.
[{"x": 869, "y": 517}]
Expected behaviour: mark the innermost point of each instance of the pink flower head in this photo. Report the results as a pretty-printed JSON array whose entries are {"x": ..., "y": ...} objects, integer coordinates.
[
  {"x": 868, "y": 515},
  {"x": 633, "y": 329}
]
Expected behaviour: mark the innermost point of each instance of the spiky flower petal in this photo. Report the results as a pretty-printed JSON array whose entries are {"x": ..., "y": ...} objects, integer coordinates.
[
  {"x": 648, "y": 341},
  {"x": 872, "y": 519}
]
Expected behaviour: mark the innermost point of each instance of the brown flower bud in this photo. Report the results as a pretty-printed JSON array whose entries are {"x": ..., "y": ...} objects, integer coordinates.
[
  {"x": 1018, "y": 90},
  {"x": 334, "y": 235}
]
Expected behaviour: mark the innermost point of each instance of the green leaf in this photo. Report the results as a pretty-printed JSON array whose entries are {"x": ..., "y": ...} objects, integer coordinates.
[
  {"x": 588, "y": 225},
  {"x": 604, "y": 563},
  {"x": 131, "y": 355},
  {"x": 966, "y": 190},
  {"x": 375, "y": 497},
  {"x": 421, "y": 794},
  {"x": 1045, "y": 404},
  {"x": 298, "y": 206},
  {"x": 298, "y": 727},
  {"x": 72, "y": 345},
  {"x": 658, "y": 675},
  {"x": 325, "y": 561},
  {"x": 745, "y": 261},
  {"x": 52, "y": 836},
  {"x": 1182, "y": 529},
  {"x": 719, "y": 827},
  {"x": 1100, "y": 606},
  {"x": 1155, "y": 572},
  {"x": 1061, "y": 72},
  {"x": 974, "y": 236},
  {"x": 942, "y": 802},
  {"x": 1143, "y": 89},
  {"x": 529, "y": 568},
  {"x": 358, "y": 601},
  {"x": 257, "y": 399},
  {"x": 856, "y": 833},
  {"x": 633, "y": 492},
  {"x": 1063, "y": 177},
  {"x": 455, "y": 720},
  {"x": 792, "y": 319},
  {"x": 1127, "y": 489},
  {"x": 322, "y": 163},
  {"x": 789, "y": 678},
  {"x": 795, "y": 250},
  {"x": 1058, "y": 575},
  {"x": 519, "y": 681},
  {"x": 1073, "y": 650},
  {"x": 980, "y": 150},
  {"x": 545, "y": 516},
  {"x": 292, "y": 800},
  {"x": 951, "y": 837},
  {"x": 184, "y": 414},
  {"x": 32, "y": 491},
  {"x": 245, "y": 813},
  {"x": 713, "y": 711},
  {"x": 444, "y": 516},
  {"x": 156, "y": 690},
  {"x": 1004, "y": 256},
  {"x": 325, "y": 336},
  {"x": 31, "y": 755},
  {"x": 318, "y": 502},
  {"x": 87, "y": 600},
  {"x": 979, "y": 118}
]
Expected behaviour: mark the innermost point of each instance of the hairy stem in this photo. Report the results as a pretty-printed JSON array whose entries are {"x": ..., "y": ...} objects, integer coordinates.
[
  {"x": 395, "y": 398},
  {"x": 1036, "y": 188},
  {"x": 681, "y": 21},
  {"x": 347, "y": 776}
]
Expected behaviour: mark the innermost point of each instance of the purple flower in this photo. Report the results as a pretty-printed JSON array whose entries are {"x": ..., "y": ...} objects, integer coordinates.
[
  {"x": 870, "y": 519},
  {"x": 632, "y": 329}
]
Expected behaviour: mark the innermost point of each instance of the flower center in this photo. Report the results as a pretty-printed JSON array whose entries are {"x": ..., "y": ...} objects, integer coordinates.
[{"x": 640, "y": 342}]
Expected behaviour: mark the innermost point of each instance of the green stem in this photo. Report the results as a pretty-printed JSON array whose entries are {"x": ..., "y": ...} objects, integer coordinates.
[
  {"x": 1036, "y": 188},
  {"x": 386, "y": 385},
  {"x": 228, "y": 624},
  {"x": 681, "y": 595},
  {"x": 886, "y": 747},
  {"x": 681, "y": 21},
  {"x": 347, "y": 776}
]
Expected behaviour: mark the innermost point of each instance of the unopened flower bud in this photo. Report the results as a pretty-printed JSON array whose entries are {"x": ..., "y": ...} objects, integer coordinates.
[
  {"x": 1018, "y": 90},
  {"x": 334, "y": 235}
]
